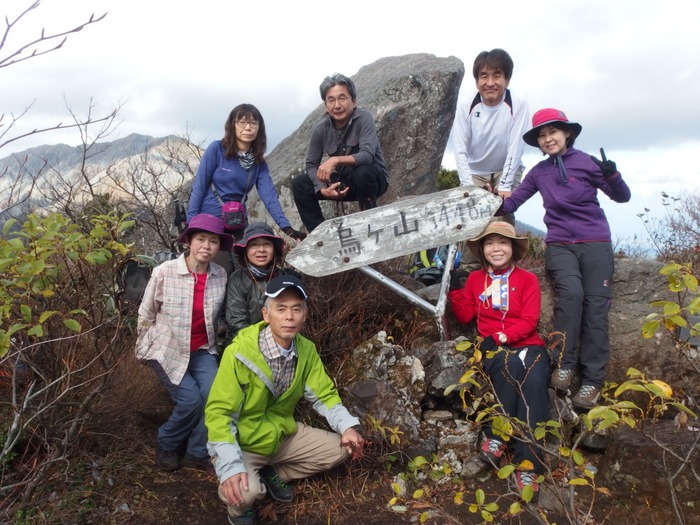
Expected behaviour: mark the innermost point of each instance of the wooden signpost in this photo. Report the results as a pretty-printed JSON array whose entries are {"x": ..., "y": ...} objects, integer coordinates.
[{"x": 399, "y": 228}]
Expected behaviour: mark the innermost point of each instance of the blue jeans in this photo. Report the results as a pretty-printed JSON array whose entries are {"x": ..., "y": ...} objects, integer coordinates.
[{"x": 186, "y": 423}]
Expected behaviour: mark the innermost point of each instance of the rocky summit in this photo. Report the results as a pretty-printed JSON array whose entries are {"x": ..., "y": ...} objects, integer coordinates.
[{"x": 413, "y": 99}]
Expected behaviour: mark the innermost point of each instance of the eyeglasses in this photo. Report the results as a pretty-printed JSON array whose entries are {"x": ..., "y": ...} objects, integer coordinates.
[
  {"x": 330, "y": 101},
  {"x": 254, "y": 124}
]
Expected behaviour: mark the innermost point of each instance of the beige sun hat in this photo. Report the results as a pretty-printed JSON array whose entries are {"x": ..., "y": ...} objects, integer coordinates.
[{"x": 520, "y": 244}]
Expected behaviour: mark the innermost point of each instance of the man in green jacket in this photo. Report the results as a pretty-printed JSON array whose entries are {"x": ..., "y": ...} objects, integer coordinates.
[{"x": 255, "y": 443}]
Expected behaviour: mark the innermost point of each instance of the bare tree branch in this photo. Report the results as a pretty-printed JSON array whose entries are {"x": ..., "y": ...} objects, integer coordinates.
[{"x": 45, "y": 43}]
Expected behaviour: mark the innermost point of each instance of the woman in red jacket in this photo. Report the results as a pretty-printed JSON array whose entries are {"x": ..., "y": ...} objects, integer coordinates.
[{"x": 505, "y": 302}]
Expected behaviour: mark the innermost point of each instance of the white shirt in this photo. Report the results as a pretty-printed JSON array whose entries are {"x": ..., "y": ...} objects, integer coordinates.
[{"x": 489, "y": 139}]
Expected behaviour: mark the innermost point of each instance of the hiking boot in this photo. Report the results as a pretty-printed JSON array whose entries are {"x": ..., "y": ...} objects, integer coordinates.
[
  {"x": 561, "y": 379},
  {"x": 527, "y": 478},
  {"x": 586, "y": 397},
  {"x": 203, "y": 464},
  {"x": 278, "y": 489},
  {"x": 491, "y": 451},
  {"x": 247, "y": 518},
  {"x": 168, "y": 460}
]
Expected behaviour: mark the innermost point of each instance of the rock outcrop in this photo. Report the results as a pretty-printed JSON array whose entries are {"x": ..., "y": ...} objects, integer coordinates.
[{"x": 413, "y": 99}]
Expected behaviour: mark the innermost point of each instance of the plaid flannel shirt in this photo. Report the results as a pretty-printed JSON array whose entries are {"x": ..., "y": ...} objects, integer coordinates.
[
  {"x": 165, "y": 315},
  {"x": 282, "y": 362}
]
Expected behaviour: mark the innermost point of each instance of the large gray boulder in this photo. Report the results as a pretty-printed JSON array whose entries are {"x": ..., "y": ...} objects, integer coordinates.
[{"x": 413, "y": 99}]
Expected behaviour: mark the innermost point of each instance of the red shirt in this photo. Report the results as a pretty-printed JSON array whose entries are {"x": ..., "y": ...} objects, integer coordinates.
[
  {"x": 199, "y": 337},
  {"x": 519, "y": 322}
]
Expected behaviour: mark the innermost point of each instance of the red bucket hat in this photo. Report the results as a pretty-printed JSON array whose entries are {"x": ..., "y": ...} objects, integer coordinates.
[{"x": 549, "y": 116}]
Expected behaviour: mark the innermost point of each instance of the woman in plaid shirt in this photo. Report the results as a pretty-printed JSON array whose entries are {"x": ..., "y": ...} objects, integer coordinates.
[{"x": 177, "y": 337}]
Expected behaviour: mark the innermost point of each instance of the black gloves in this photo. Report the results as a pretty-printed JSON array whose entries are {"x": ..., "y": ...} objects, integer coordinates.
[
  {"x": 456, "y": 278},
  {"x": 608, "y": 167},
  {"x": 455, "y": 281},
  {"x": 488, "y": 344},
  {"x": 294, "y": 234}
]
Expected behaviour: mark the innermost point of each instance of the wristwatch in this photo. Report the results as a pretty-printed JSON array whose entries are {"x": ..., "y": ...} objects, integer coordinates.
[{"x": 502, "y": 338}]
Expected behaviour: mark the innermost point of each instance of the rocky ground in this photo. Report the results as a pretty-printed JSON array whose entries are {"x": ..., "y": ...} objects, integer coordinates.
[{"x": 119, "y": 483}]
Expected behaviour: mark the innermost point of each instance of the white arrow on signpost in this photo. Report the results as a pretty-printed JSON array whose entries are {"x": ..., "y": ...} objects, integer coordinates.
[{"x": 399, "y": 228}]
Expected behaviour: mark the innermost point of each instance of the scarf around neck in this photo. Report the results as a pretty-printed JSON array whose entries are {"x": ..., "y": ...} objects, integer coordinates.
[
  {"x": 246, "y": 159},
  {"x": 559, "y": 162},
  {"x": 261, "y": 274},
  {"x": 497, "y": 290}
]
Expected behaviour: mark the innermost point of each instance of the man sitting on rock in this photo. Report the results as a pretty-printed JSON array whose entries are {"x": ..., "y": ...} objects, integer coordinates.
[
  {"x": 353, "y": 169},
  {"x": 255, "y": 443}
]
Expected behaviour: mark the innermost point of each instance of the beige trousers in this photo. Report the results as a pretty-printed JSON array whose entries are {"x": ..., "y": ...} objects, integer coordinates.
[
  {"x": 469, "y": 261},
  {"x": 307, "y": 452}
]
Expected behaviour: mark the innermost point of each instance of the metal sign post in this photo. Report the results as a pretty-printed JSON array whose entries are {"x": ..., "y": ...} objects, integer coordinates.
[
  {"x": 400, "y": 228},
  {"x": 437, "y": 311}
]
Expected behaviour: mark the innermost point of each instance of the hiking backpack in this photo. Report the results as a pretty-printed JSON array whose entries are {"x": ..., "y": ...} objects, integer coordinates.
[
  {"x": 427, "y": 266},
  {"x": 131, "y": 280}
]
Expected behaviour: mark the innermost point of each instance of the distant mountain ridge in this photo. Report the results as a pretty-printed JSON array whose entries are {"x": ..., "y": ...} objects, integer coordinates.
[
  {"x": 522, "y": 227},
  {"x": 65, "y": 158},
  {"x": 119, "y": 156},
  {"x": 105, "y": 167}
]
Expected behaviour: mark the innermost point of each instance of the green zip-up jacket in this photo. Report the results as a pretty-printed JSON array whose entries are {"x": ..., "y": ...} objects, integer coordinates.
[{"x": 243, "y": 414}]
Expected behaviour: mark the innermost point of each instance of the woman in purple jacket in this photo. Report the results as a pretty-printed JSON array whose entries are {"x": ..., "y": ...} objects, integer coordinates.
[{"x": 579, "y": 255}]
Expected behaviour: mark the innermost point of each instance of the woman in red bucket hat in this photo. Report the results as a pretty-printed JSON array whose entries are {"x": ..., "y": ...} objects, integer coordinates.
[
  {"x": 177, "y": 338},
  {"x": 579, "y": 255}
]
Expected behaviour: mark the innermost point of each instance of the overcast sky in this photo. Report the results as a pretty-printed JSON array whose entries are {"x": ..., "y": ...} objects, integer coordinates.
[{"x": 626, "y": 70}]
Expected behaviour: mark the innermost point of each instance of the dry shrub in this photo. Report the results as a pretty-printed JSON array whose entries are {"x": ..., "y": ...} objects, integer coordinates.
[
  {"x": 535, "y": 253},
  {"x": 135, "y": 396},
  {"x": 676, "y": 235},
  {"x": 348, "y": 308},
  {"x": 65, "y": 343}
]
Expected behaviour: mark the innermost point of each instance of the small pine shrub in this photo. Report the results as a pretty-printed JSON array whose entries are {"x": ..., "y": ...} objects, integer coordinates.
[{"x": 446, "y": 179}]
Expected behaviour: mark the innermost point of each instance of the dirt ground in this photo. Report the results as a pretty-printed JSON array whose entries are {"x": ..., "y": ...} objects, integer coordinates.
[
  {"x": 121, "y": 484},
  {"x": 114, "y": 480},
  {"x": 130, "y": 489}
]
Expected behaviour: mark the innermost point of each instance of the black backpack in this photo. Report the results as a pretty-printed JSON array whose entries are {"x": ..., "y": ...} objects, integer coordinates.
[
  {"x": 427, "y": 266},
  {"x": 131, "y": 280}
]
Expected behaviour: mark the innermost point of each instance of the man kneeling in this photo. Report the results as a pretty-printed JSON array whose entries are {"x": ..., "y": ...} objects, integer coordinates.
[{"x": 255, "y": 443}]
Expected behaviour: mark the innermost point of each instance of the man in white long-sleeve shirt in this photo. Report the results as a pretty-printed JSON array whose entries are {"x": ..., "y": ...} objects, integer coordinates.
[{"x": 489, "y": 127}]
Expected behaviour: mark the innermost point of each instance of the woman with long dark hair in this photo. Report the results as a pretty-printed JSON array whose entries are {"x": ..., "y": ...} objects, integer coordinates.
[{"x": 229, "y": 169}]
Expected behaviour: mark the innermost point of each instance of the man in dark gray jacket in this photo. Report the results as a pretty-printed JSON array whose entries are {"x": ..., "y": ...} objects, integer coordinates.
[{"x": 344, "y": 161}]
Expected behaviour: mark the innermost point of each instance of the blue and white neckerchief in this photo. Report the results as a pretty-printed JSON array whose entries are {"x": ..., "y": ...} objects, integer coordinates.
[{"x": 497, "y": 290}]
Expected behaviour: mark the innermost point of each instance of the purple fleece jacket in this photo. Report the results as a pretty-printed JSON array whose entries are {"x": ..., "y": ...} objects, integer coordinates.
[{"x": 572, "y": 211}]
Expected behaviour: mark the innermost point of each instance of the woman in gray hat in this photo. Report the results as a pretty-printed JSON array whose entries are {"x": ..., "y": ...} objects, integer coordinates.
[
  {"x": 259, "y": 253},
  {"x": 177, "y": 337}
]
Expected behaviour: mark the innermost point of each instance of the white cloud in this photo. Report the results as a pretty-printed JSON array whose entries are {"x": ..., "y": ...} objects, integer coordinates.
[{"x": 623, "y": 69}]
